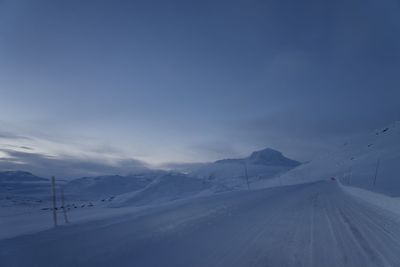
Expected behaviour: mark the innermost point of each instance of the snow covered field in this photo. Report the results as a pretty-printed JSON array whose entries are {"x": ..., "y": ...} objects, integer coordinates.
[
  {"x": 25, "y": 198},
  {"x": 315, "y": 224},
  {"x": 328, "y": 212}
]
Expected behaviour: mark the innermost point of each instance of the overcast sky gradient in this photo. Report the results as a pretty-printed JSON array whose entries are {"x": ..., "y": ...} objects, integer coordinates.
[{"x": 164, "y": 81}]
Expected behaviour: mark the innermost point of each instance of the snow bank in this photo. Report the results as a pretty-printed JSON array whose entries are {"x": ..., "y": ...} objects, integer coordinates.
[
  {"x": 356, "y": 162},
  {"x": 387, "y": 203}
]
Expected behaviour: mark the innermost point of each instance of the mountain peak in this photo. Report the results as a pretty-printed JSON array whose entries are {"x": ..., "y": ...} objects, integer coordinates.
[
  {"x": 265, "y": 153},
  {"x": 269, "y": 156}
]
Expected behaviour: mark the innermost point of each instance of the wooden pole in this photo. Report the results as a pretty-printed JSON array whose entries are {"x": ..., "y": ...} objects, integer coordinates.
[
  {"x": 53, "y": 191},
  {"x": 63, "y": 206}
]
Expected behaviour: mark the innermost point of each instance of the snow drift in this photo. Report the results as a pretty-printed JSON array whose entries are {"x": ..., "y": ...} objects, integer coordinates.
[
  {"x": 370, "y": 161},
  {"x": 167, "y": 187},
  {"x": 92, "y": 188}
]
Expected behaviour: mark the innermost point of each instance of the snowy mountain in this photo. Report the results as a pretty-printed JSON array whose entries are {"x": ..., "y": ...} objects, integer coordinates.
[
  {"x": 262, "y": 164},
  {"x": 19, "y": 176},
  {"x": 19, "y": 187},
  {"x": 135, "y": 189},
  {"x": 297, "y": 208},
  {"x": 155, "y": 185},
  {"x": 266, "y": 157},
  {"x": 369, "y": 160}
]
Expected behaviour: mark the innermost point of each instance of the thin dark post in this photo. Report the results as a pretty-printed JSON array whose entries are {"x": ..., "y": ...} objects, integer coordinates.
[
  {"x": 53, "y": 191},
  {"x": 376, "y": 170},
  {"x": 63, "y": 206},
  {"x": 247, "y": 176}
]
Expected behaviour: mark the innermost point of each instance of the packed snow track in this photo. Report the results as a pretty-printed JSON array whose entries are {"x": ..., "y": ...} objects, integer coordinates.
[{"x": 313, "y": 224}]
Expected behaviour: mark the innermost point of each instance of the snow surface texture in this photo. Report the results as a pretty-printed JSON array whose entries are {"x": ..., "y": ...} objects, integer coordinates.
[
  {"x": 355, "y": 163},
  {"x": 313, "y": 224},
  {"x": 168, "y": 187},
  {"x": 92, "y": 188},
  {"x": 391, "y": 204}
]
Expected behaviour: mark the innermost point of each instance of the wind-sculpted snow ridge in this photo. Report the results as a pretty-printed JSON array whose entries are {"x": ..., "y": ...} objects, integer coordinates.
[
  {"x": 370, "y": 161},
  {"x": 167, "y": 187},
  {"x": 92, "y": 188}
]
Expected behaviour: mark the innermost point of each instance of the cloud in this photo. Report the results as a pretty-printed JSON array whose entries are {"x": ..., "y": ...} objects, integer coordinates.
[
  {"x": 63, "y": 157},
  {"x": 214, "y": 149},
  {"x": 10, "y": 135},
  {"x": 297, "y": 135},
  {"x": 66, "y": 167}
]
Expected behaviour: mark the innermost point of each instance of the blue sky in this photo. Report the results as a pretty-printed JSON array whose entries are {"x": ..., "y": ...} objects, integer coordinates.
[{"x": 164, "y": 81}]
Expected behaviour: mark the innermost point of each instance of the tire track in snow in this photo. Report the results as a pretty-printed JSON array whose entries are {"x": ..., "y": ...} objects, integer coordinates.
[
  {"x": 304, "y": 225},
  {"x": 362, "y": 241},
  {"x": 311, "y": 247}
]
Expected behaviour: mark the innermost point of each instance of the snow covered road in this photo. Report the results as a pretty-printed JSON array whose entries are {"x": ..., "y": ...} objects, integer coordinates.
[{"x": 303, "y": 225}]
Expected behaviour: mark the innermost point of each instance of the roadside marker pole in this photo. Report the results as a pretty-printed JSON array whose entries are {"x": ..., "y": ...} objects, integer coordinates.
[
  {"x": 63, "y": 206},
  {"x": 53, "y": 191}
]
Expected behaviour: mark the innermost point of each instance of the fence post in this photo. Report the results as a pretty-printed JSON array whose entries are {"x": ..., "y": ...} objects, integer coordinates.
[{"x": 53, "y": 191}]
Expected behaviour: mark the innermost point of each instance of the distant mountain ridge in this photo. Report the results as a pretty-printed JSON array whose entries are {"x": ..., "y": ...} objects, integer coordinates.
[
  {"x": 20, "y": 176},
  {"x": 233, "y": 173},
  {"x": 266, "y": 157},
  {"x": 155, "y": 185}
]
